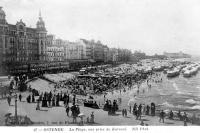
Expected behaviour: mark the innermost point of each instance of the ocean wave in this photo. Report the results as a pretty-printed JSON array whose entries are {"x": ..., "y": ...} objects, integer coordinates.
[
  {"x": 196, "y": 107},
  {"x": 198, "y": 87},
  {"x": 192, "y": 101},
  {"x": 166, "y": 104}
]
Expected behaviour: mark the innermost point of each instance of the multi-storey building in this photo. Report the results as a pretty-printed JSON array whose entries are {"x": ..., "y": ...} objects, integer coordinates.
[
  {"x": 89, "y": 49},
  {"x": 55, "y": 53},
  {"x": 55, "y": 49},
  {"x": 98, "y": 52},
  {"x": 177, "y": 55},
  {"x": 105, "y": 53},
  {"x": 75, "y": 50},
  {"x": 113, "y": 54},
  {"x": 50, "y": 40},
  {"x": 19, "y": 43}
]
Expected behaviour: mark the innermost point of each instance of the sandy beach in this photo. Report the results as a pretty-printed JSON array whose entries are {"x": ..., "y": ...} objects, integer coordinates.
[{"x": 50, "y": 115}]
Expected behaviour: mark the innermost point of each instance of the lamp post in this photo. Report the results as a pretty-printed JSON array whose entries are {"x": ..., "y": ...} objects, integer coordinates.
[{"x": 16, "y": 118}]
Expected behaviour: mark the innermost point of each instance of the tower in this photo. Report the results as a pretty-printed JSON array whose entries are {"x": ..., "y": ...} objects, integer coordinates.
[
  {"x": 3, "y": 25},
  {"x": 2, "y": 17},
  {"x": 41, "y": 32}
]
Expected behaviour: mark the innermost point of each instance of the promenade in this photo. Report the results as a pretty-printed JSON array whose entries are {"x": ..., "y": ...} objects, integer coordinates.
[{"x": 57, "y": 116}]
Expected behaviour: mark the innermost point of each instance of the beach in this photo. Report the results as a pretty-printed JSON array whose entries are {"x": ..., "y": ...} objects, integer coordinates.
[{"x": 174, "y": 94}]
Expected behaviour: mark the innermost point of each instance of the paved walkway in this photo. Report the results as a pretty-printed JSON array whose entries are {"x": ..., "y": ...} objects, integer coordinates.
[{"x": 57, "y": 116}]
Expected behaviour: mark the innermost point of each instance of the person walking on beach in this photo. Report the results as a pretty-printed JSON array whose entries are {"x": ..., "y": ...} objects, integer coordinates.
[
  {"x": 171, "y": 115},
  {"x": 20, "y": 97},
  {"x": 9, "y": 100},
  {"x": 125, "y": 112},
  {"x": 135, "y": 109},
  {"x": 67, "y": 110},
  {"x": 162, "y": 116},
  {"x": 139, "y": 111}
]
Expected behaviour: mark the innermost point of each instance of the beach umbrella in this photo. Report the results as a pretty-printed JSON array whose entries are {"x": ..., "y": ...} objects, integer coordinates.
[
  {"x": 167, "y": 111},
  {"x": 8, "y": 114},
  {"x": 81, "y": 115}
]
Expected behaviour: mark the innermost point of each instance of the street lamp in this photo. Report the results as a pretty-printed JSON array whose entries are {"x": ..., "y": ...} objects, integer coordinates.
[{"x": 16, "y": 118}]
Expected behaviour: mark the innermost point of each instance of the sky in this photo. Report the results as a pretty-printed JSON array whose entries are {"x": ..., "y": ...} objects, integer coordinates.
[{"x": 152, "y": 26}]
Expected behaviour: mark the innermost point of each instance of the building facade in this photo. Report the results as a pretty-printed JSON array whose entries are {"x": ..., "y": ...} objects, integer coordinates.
[
  {"x": 177, "y": 55},
  {"x": 75, "y": 50},
  {"x": 19, "y": 43},
  {"x": 105, "y": 53},
  {"x": 55, "y": 53},
  {"x": 113, "y": 54}
]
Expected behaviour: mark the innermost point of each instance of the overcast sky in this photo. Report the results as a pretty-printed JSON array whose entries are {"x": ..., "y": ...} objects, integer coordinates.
[{"x": 152, "y": 26}]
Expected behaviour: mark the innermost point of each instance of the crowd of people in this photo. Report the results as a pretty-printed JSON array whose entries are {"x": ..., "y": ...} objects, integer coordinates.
[
  {"x": 111, "y": 108},
  {"x": 141, "y": 109},
  {"x": 49, "y": 99},
  {"x": 99, "y": 84}
]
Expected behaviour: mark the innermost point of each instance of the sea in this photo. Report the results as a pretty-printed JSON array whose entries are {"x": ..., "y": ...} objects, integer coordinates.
[{"x": 178, "y": 93}]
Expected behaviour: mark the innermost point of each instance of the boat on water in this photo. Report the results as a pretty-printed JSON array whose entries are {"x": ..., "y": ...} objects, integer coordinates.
[{"x": 173, "y": 73}]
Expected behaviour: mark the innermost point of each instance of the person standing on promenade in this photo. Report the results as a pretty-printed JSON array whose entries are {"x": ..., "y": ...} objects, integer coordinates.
[
  {"x": 147, "y": 109},
  {"x": 139, "y": 111},
  {"x": 33, "y": 98},
  {"x": 162, "y": 116},
  {"x": 74, "y": 113},
  {"x": 185, "y": 119},
  {"x": 67, "y": 110},
  {"x": 143, "y": 109},
  {"x": 74, "y": 99},
  {"x": 38, "y": 105},
  {"x": 153, "y": 109},
  {"x": 20, "y": 97},
  {"x": 92, "y": 117}
]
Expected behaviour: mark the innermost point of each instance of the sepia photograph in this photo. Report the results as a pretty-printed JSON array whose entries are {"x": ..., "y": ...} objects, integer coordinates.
[{"x": 99, "y": 63}]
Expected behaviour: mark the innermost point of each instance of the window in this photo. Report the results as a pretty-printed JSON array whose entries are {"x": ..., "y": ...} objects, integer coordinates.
[{"x": 21, "y": 27}]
